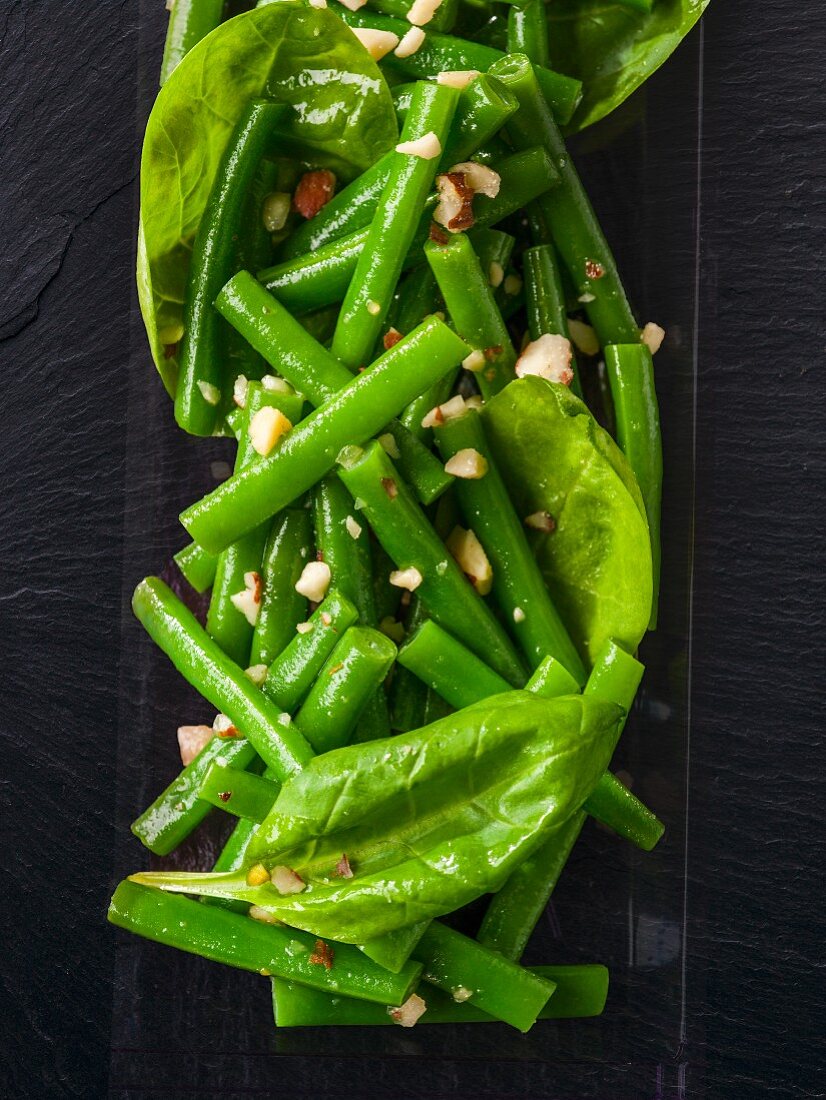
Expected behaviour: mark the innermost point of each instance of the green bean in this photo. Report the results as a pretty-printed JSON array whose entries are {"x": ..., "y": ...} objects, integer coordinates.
[
  {"x": 296, "y": 667},
  {"x": 189, "y": 22},
  {"x": 241, "y": 794},
  {"x": 613, "y": 804},
  {"x": 546, "y": 299},
  {"x": 308, "y": 452},
  {"x": 282, "y": 608},
  {"x": 551, "y": 679},
  {"x": 417, "y": 462},
  {"x": 321, "y": 278},
  {"x": 570, "y": 217},
  {"x": 197, "y": 565},
  {"x": 440, "y": 53},
  {"x": 394, "y": 949},
  {"x": 268, "y": 949},
  {"x": 418, "y": 297},
  {"x": 449, "y": 667},
  {"x": 580, "y": 992},
  {"x": 227, "y": 624},
  {"x": 352, "y": 674},
  {"x": 518, "y": 585},
  {"x": 473, "y": 311},
  {"x": 393, "y": 228},
  {"x": 408, "y": 695},
  {"x": 411, "y": 542},
  {"x": 483, "y": 108},
  {"x": 528, "y": 31},
  {"x": 179, "y": 809},
  {"x": 201, "y": 376},
  {"x": 200, "y": 661},
  {"x": 488, "y": 981},
  {"x": 492, "y": 246},
  {"x": 630, "y": 370}
]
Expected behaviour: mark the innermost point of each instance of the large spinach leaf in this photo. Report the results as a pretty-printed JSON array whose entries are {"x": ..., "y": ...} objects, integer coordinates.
[
  {"x": 429, "y": 820},
  {"x": 612, "y": 48},
  {"x": 305, "y": 57},
  {"x": 597, "y": 561}
]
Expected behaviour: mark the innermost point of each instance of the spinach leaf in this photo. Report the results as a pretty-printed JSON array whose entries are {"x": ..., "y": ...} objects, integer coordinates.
[
  {"x": 555, "y": 458},
  {"x": 305, "y": 57},
  {"x": 428, "y": 820},
  {"x": 612, "y": 48}
]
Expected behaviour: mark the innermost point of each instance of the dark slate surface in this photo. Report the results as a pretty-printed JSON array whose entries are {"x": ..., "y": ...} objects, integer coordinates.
[{"x": 73, "y": 101}]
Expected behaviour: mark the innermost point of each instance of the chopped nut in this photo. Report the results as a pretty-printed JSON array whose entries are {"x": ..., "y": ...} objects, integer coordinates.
[
  {"x": 391, "y": 338},
  {"x": 353, "y": 529},
  {"x": 303, "y": 628},
  {"x": 518, "y": 615},
  {"x": 191, "y": 739},
  {"x": 480, "y": 178},
  {"x": 422, "y": 12},
  {"x": 454, "y": 407},
  {"x": 225, "y": 796},
  {"x": 326, "y": 617},
  {"x": 594, "y": 269},
  {"x": 286, "y": 880},
  {"x": 314, "y": 190},
  {"x": 475, "y": 361},
  {"x": 275, "y": 211},
  {"x": 275, "y": 384},
  {"x": 266, "y": 428},
  {"x": 427, "y": 147},
  {"x": 284, "y": 719},
  {"x": 257, "y": 673},
  {"x": 454, "y": 209},
  {"x": 652, "y": 336},
  {"x": 239, "y": 391},
  {"x": 549, "y": 357},
  {"x": 467, "y": 463},
  {"x": 540, "y": 521},
  {"x": 583, "y": 336},
  {"x": 353, "y": 5},
  {"x": 257, "y": 875},
  {"x": 322, "y": 955},
  {"x": 373, "y": 308},
  {"x": 318, "y": 3},
  {"x": 475, "y": 401},
  {"x": 224, "y": 727},
  {"x": 211, "y": 394},
  {"x": 377, "y": 43},
  {"x": 410, "y": 42},
  {"x": 248, "y": 602},
  {"x": 496, "y": 273},
  {"x": 343, "y": 868},
  {"x": 438, "y": 234},
  {"x": 394, "y": 630},
  {"x": 407, "y": 1015},
  {"x": 390, "y": 487},
  {"x": 471, "y": 559},
  {"x": 314, "y": 581},
  {"x": 513, "y": 284},
  {"x": 586, "y": 298},
  {"x": 257, "y": 912},
  {"x": 456, "y": 78},
  {"x": 389, "y": 445},
  {"x": 409, "y": 578}
]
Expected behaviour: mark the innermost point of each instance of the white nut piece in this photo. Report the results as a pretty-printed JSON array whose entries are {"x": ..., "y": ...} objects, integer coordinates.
[
  {"x": 286, "y": 880},
  {"x": 409, "y": 578},
  {"x": 377, "y": 43},
  {"x": 457, "y": 78},
  {"x": 475, "y": 361},
  {"x": 652, "y": 336},
  {"x": 428, "y": 147},
  {"x": 583, "y": 337},
  {"x": 467, "y": 463},
  {"x": 408, "y": 1013},
  {"x": 191, "y": 739},
  {"x": 314, "y": 581},
  {"x": 257, "y": 673},
  {"x": 248, "y": 602},
  {"x": 266, "y": 428},
  {"x": 454, "y": 407},
  {"x": 496, "y": 273},
  {"x": 480, "y": 178},
  {"x": 353, "y": 528},
  {"x": 549, "y": 357},
  {"x": 410, "y": 42},
  {"x": 211, "y": 394},
  {"x": 471, "y": 558},
  {"x": 422, "y": 12},
  {"x": 239, "y": 391},
  {"x": 353, "y": 5}
]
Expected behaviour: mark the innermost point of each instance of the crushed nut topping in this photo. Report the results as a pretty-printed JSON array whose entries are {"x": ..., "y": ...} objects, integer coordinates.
[
  {"x": 314, "y": 581},
  {"x": 266, "y": 428},
  {"x": 390, "y": 487},
  {"x": 191, "y": 739},
  {"x": 409, "y": 578},
  {"x": 286, "y": 880},
  {"x": 314, "y": 190},
  {"x": 454, "y": 209},
  {"x": 467, "y": 463},
  {"x": 594, "y": 269},
  {"x": 248, "y": 602},
  {"x": 549, "y": 357},
  {"x": 471, "y": 559},
  {"x": 342, "y": 868},
  {"x": 322, "y": 955},
  {"x": 391, "y": 338},
  {"x": 428, "y": 147},
  {"x": 541, "y": 521},
  {"x": 652, "y": 336},
  {"x": 408, "y": 1013}
]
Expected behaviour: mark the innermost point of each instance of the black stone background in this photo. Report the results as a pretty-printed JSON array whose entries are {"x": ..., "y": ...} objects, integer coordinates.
[{"x": 71, "y": 110}]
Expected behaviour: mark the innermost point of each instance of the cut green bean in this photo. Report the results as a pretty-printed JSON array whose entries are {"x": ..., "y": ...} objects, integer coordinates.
[
  {"x": 630, "y": 369},
  {"x": 204, "y": 665},
  {"x": 287, "y": 551},
  {"x": 242, "y": 794},
  {"x": 201, "y": 372},
  {"x": 528, "y": 31},
  {"x": 545, "y": 300},
  {"x": 483, "y": 108},
  {"x": 308, "y": 452},
  {"x": 448, "y": 667},
  {"x": 352, "y": 674},
  {"x": 189, "y": 22},
  {"x": 440, "y": 53},
  {"x": 423, "y": 560},
  {"x": 268, "y": 949},
  {"x": 322, "y": 277},
  {"x": 197, "y": 565},
  {"x": 394, "y": 949},
  {"x": 180, "y": 809},
  {"x": 552, "y": 679},
  {"x": 473, "y": 311},
  {"x": 293, "y": 671},
  {"x": 418, "y": 464},
  {"x": 518, "y": 585},
  {"x": 393, "y": 227},
  {"x": 581, "y": 991},
  {"x": 576, "y": 232}
]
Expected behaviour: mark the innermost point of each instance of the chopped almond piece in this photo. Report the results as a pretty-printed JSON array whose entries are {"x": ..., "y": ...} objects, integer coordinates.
[
  {"x": 479, "y": 177},
  {"x": 549, "y": 357},
  {"x": 467, "y": 463},
  {"x": 353, "y": 529},
  {"x": 276, "y": 210},
  {"x": 583, "y": 336},
  {"x": 454, "y": 209},
  {"x": 353, "y": 5},
  {"x": 374, "y": 308},
  {"x": 518, "y": 615},
  {"x": 496, "y": 273},
  {"x": 257, "y": 912},
  {"x": 314, "y": 581},
  {"x": 475, "y": 361},
  {"x": 471, "y": 559},
  {"x": 391, "y": 338},
  {"x": 540, "y": 521},
  {"x": 408, "y": 1013},
  {"x": 239, "y": 391},
  {"x": 389, "y": 445},
  {"x": 314, "y": 190},
  {"x": 248, "y": 602},
  {"x": 211, "y": 394},
  {"x": 266, "y": 428},
  {"x": 409, "y": 578},
  {"x": 454, "y": 407},
  {"x": 427, "y": 147},
  {"x": 322, "y": 955},
  {"x": 343, "y": 868},
  {"x": 594, "y": 269},
  {"x": 286, "y": 880},
  {"x": 652, "y": 336},
  {"x": 422, "y": 12},
  {"x": 410, "y": 42},
  {"x": 191, "y": 739},
  {"x": 513, "y": 284},
  {"x": 257, "y": 673},
  {"x": 457, "y": 78}
]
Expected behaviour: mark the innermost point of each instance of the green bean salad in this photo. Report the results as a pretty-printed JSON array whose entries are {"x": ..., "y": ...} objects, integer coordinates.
[{"x": 365, "y": 255}]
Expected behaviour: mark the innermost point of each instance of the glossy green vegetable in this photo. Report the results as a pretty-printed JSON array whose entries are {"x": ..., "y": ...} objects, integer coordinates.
[
  {"x": 239, "y": 793},
  {"x": 630, "y": 370},
  {"x": 201, "y": 662},
  {"x": 440, "y": 52},
  {"x": 288, "y": 550},
  {"x": 550, "y": 679},
  {"x": 394, "y": 949},
  {"x": 596, "y": 561},
  {"x": 580, "y": 992},
  {"x": 473, "y": 311},
  {"x": 449, "y": 667},
  {"x": 296, "y": 667},
  {"x": 309, "y": 451},
  {"x": 393, "y": 228},
  {"x": 189, "y": 22},
  {"x": 197, "y": 565},
  {"x": 483, "y": 108},
  {"x": 180, "y": 808},
  {"x": 472, "y": 795},
  {"x": 518, "y": 585},
  {"x": 322, "y": 278},
  {"x": 352, "y": 674},
  {"x": 528, "y": 31},
  {"x": 404, "y": 532},
  {"x": 545, "y": 299},
  {"x": 275, "y": 53},
  {"x": 612, "y": 48},
  {"x": 576, "y": 233},
  {"x": 267, "y": 949}
]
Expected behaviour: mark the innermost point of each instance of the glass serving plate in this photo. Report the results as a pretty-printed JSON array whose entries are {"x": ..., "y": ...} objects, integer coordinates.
[{"x": 183, "y": 1026}]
